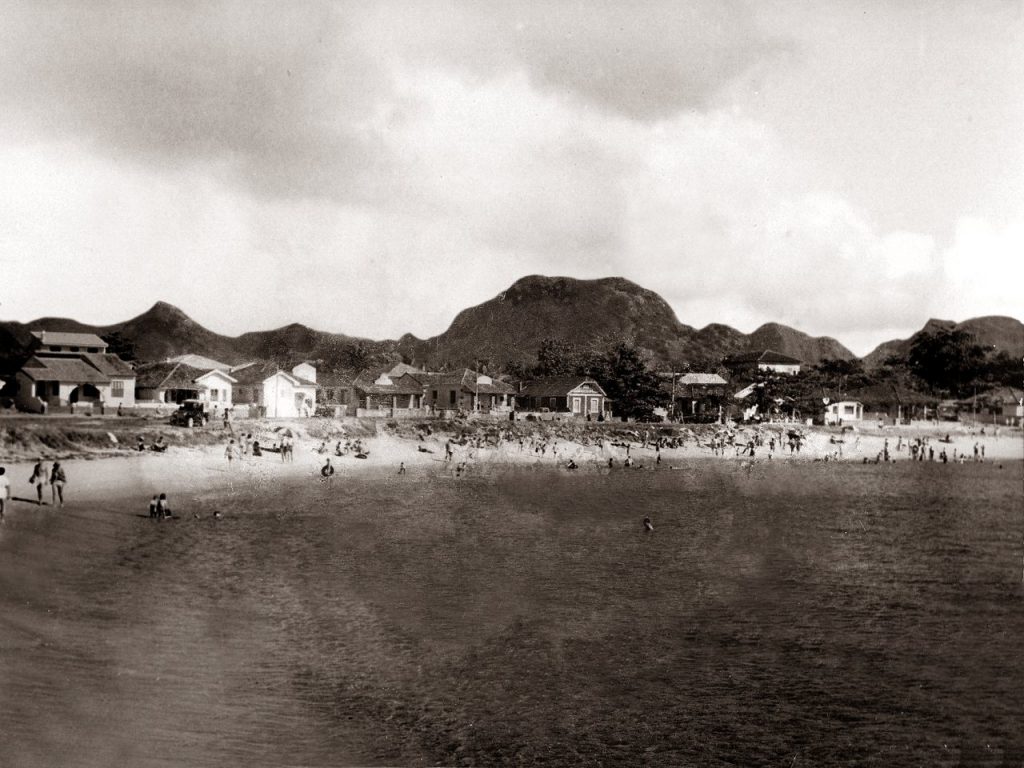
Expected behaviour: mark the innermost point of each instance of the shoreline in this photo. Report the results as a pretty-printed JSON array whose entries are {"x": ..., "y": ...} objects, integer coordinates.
[{"x": 201, "y": 470}]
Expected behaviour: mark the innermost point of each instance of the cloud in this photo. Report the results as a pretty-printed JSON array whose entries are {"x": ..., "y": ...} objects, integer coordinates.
[
  {"x": 270, "y": 96},
  {"x": 638, "y": 59}
]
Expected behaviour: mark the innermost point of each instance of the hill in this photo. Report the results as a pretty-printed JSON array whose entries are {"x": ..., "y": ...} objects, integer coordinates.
[
  {"x": 508, "y": 327},
  {"x": 999, "y": 332},
  {"x": 512, "y": 325}
]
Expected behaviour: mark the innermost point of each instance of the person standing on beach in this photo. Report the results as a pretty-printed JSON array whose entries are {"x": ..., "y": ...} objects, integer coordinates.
[
  {"x": 163, "y": 507},
  {"x": 57, "y": 480},
  {"x": 229, "y": 452},
  {"x": 327, "y": 471},
  {"x": 154, "y": 505},
  {"x": 5, "y": 491},
  {"x": 38, "y": 479}
]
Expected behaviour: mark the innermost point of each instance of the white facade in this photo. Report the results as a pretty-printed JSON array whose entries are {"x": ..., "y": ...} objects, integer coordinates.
[
  {"x": 787, "y": 368},
  {"x": 305, "y": 371},
  {"x": 843, "y": 412},
  {"x": 214, "y": 387},
  {"x": 285, "y": 396}
]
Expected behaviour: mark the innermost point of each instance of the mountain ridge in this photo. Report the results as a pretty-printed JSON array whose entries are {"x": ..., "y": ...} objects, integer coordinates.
[{"x": 505, "y": 328}]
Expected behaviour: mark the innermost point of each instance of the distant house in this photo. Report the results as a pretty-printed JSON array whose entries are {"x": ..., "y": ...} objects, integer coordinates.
[
  {"x": 465, "y": 390},
  {"x": 59, "y": 342},
  {"x": 698, "y": 396},
  {"x": 386, "y": 395},
  {"x": 578, "y": 395},
  {"x": 72, "y": 369},
  {"x": 1006, "y": 404},
  {"x": 200, "y": 362},
  {"x": 766, "y": 361},
  {"x": 890, "y": 400},
  {"x": 177, "y": 382},
  {"x": 844, "y": 412},
  {"x": 273, "y": 392},
  {"x": 333, "y": 390}
]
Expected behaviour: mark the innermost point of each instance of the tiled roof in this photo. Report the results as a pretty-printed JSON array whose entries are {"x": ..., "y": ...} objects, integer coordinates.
[
  {"x": 71, "y": 370},
  {"x": 253, "y": 373},
  {"x": 109, "y": 364},
  {"x": 167, "y": 376},
  {"x": 557, "y": 386},
  {"x": 62, "y": 338},
  {"x": 200, "y": 362},
  {"x": 702, "y": 379},
  {"x": 402, "y": 385},
  {"x": 767, "y": 356}
]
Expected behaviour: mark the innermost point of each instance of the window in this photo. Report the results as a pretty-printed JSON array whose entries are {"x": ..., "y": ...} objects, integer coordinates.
[
  {"x": 451, "y": 397},
  {"x": 117, "y": 388},
  {"x": 848, "y": 410},
  {"x": 72, "y": 349},
  {"x": 214, "y": 395},
  {"x": 56, "y": 348},
  {"x": 93, "y": 350},
  {"x": 433, "y": 396},
  {"x": 40, "y": 389}
]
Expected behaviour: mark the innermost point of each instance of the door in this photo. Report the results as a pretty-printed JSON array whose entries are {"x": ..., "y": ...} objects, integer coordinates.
[{"x": 577, "y": 404}]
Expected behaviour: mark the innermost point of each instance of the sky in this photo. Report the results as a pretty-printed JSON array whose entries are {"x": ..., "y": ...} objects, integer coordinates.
[{"x": 851, "y": 169}]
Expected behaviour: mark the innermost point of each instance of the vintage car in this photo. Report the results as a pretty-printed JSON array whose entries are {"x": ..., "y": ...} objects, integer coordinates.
[{"x": 191, "y": 413}]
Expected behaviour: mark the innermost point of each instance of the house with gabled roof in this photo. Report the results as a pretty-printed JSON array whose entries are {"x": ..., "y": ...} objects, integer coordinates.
[
  {"x": 765, "y": 361},
  {"x": 273, "y": 392},
  {"x": 467, "y": 391},
  {"x": 699, "y": 396},
  {"x": 384, "y": 394},
  {"x": 73, "y": 369},
  {"x": 176, "y": 382},
  {"x": 580, "y": 396}
]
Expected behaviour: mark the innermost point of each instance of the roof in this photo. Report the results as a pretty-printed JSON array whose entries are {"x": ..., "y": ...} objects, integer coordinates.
[
  {"x": 402, "y": 385},
  {"x": 257, "y": 373},
  {"x": 109, "y": 364},
  {"x": 702, "y": 379},
  {"x": 200, "y": 362},
  {"x": 469, "y": 380},
  {"x": 332, "y": 379},
  {"x": 766, "y": 356},
  {"x": 167, "y": 376},
  {"x": 889, "y": 394},
  {"x": 557, "y": 386},
  {"x": 1004, "y": 395},
  {"x": 71, "y": 370},
  {"x": 215, "y": 372},
  {"x": 403, "y": 368},
  {"x": 62, "y": 338}
]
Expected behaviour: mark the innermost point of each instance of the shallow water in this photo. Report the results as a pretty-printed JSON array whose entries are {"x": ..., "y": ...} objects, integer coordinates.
[{"x": 813, "y": 614}]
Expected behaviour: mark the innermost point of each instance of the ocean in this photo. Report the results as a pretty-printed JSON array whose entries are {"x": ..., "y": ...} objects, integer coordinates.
[{"x": 788, "y": 614}]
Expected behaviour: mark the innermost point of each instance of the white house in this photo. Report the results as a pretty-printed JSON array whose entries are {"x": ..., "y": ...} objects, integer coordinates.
[
  {"x": 843, "y": 412},
  {"x": 276, "y": 393}
]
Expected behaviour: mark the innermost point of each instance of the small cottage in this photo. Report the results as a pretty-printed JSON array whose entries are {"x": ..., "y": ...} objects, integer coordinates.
[
  {"x": 577, "y": 395},
  {"x": 844, "y": 412}
]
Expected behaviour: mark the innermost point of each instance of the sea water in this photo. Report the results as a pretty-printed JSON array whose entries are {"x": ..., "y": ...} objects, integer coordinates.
[{"x": 784, "y": 614}]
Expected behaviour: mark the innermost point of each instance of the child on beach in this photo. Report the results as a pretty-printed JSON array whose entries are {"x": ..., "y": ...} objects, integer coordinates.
[
  {"x": 327, "y": 471},
  {"x": 5, "y": 491},
  {"x": 57, "y": 480},
  {"x": 163, "y": 507},
  {"x": 229, "y": 452},
  {"x": 38, "y": 479},
  {"x": 154, "y": 506}
]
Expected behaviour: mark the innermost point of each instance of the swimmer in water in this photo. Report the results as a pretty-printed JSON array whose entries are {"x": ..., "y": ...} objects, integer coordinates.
[
  {"x": 648, "y": 525},
  {"x": 216, "y": 514}
]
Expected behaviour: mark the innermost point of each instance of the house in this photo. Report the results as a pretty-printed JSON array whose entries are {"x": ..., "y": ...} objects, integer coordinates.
[
  {"x": 273, "y": 392},
  {"x": 843, "y": 412},
  {"x": 578, "y": 395},
  {"x": 386, "y": 395},
  {"x": 466, "y": 391},
  {"x": 200, "y": 362},
  {"x": 889, "y": 400},
  {"x": 176, "y": 382},
  {"x": 766, "y": 361},
  {"x": 59, "y": 342},
  {"x": 69, "y": 369},
  {"x": 698, "y": 396},
  {"x": 1005, "y": 404},
  {"x": 334, "y": 392}
]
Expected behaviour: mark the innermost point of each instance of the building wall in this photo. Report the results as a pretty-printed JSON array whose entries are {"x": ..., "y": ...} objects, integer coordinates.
[
  {"x": 779, "y": 368},
  {"x": 127, "y": 396},
  {"x": 279, "y": 398}
]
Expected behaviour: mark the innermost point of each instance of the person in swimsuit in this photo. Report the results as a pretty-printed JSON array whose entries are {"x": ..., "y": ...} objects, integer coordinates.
[
  {"x": 5, "y": 491},
  {"x": 38, "y": 479},
  {"x": 57, "y": 480}
]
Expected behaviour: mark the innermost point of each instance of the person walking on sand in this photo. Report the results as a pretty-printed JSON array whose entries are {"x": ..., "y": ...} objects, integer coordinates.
[
  {"x": 5, "y": 491},
  {"x": 57, "y": 480},
  {"x": 401, "y": 468},
  {"x": 38, "y": 479},
  {"x": 230, "y": 451}
]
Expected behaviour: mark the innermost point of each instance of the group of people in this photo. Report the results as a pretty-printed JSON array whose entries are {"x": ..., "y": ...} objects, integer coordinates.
[
  {"x": 159, "y": 507},
  {"x": 55, "y": 477},
  {"x": 245, "y": 447}
]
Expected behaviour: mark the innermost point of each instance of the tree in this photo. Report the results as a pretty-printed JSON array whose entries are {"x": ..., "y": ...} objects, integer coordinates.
[
  {"x": 118, "y": 344},
  {"x": 950, "y": 360},
  {"x": 634, "y": 389}
]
